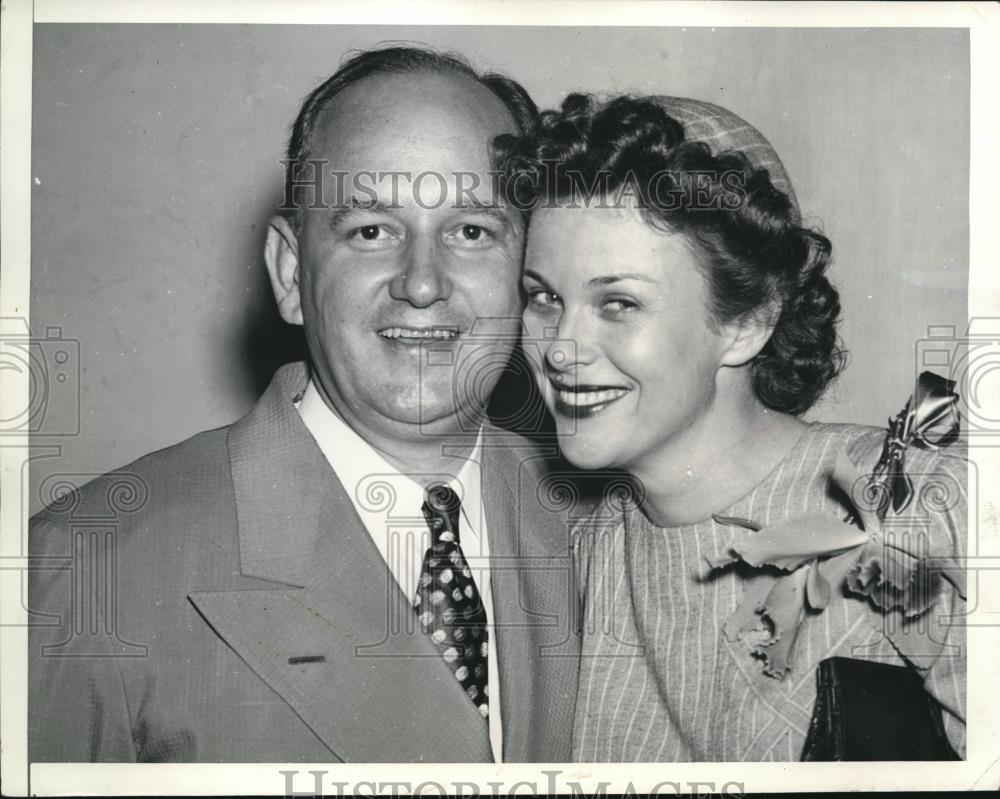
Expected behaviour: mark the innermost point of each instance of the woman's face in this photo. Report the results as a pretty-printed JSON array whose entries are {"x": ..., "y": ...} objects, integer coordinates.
[{"x": 621, "y": 342}]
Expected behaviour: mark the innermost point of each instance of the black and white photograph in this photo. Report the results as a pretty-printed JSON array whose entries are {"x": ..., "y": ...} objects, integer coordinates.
[{"x": 449, "y": 398}]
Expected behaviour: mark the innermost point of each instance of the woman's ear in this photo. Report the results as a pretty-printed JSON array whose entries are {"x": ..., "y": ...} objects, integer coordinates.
[
  {"x": 749, "y": 334},
  {"x": 281, "y": 254}
]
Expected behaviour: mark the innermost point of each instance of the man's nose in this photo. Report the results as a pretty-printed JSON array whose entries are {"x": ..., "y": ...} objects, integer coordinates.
[{"x": 422, "y": 280}]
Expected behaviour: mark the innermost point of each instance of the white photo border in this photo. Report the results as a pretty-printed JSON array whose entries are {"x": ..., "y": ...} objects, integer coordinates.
[{"x": 981, "y": 770}]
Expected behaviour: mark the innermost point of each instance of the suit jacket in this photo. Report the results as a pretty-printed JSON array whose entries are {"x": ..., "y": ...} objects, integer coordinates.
[{"x": 220, "y": 600}]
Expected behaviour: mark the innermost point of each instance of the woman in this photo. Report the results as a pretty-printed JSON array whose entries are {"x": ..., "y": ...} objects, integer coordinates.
[{"x": 685, "y": 323}]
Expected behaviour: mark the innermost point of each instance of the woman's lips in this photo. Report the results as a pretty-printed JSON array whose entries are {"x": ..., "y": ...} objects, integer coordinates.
[{"x": 580, "y": 402}]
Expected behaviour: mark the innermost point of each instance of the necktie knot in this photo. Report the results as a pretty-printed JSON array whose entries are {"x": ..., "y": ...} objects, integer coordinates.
[{"x": 441, "y": 508}]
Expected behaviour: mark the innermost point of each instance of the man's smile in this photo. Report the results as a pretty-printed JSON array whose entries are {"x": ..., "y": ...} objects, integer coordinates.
[{"x": 416, "y": 335}]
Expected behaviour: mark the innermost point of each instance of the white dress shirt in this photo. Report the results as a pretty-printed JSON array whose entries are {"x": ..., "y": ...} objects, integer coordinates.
[{"x": 389, "y": 505}]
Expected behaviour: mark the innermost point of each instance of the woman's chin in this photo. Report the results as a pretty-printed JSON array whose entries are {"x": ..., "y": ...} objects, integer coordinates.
[{"x": 584, "y": 452}]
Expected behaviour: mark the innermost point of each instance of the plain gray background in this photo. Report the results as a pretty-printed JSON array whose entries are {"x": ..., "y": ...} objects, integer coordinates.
[{"x": 155, "y": 158}]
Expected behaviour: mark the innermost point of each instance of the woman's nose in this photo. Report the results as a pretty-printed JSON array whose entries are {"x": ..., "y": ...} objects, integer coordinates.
[
  {"x": 574, "y": 344},
  {"x": 421, "y": 280}
]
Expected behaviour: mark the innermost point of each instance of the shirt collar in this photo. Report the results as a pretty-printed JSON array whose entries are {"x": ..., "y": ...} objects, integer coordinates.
[{"x": 355, "y": 461}]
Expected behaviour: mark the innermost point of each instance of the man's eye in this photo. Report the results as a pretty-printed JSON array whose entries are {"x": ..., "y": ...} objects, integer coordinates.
[
  {"x": 373, "y": 237},
  {"x": 369, "y": 232},
  {"x": 471, "y": 234}
]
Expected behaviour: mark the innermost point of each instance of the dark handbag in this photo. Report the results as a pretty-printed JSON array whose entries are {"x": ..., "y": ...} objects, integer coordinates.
[{"x": 874, "y": 711}]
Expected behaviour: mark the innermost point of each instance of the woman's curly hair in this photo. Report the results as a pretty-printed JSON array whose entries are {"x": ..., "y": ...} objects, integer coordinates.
[{"x": 755, "y": 254}]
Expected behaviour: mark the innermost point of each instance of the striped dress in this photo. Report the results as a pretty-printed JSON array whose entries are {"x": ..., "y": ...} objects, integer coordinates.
[{"x": 660, "y": 682}]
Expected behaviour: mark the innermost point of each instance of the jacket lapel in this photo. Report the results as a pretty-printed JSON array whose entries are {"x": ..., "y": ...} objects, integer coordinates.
[
  {"x": 336, "y": 638},
  {"x": 534, "y": 602}
]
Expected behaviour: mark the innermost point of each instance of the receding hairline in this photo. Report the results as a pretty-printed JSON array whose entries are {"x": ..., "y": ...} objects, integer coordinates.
[
  {"x": 505, "y": 119},
  {"x": 520, "y": 109}
]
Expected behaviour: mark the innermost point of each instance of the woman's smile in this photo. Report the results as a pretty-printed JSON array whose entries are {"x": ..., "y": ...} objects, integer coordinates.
[{"x": 584, "y": 401}]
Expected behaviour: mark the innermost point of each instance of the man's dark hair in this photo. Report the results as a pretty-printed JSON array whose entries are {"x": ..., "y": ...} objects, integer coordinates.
[{"x": 387, "y": 61}]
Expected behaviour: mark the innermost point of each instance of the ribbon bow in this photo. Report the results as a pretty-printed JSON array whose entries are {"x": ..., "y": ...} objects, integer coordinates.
[
  {"x": 814, "y": 553},
  {"x": 929, "y": 420}
]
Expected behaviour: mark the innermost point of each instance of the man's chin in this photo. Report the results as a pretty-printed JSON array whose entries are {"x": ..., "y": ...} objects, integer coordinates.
[{"x": 430, "y": 417}]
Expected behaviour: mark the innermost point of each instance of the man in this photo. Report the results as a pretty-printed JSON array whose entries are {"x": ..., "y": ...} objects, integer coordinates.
[{"x": 361, "y": 568}]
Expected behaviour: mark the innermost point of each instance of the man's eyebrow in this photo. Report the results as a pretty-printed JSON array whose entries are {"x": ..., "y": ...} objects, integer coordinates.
[
  {"x": 490, "y": 209},
  {"x": 340, "y": 213},
  {"x": 605, "y": 280},
  {"x": 496, "y": 212}
]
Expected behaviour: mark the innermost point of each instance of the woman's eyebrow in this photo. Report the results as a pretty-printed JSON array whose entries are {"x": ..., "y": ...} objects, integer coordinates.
[
  {"x": 604, "y": 280},
  {"x": 534, "y": 276}
]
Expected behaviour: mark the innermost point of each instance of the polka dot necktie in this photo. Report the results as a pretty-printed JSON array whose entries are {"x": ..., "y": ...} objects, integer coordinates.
[{"x": 448, "y": 603}]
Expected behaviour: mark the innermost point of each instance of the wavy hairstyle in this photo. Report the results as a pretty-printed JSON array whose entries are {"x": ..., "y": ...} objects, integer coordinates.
[{"x": 754, "y": 253}]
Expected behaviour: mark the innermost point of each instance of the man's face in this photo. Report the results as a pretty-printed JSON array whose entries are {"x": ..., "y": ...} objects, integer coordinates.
[{"x": 408, "y": 292}]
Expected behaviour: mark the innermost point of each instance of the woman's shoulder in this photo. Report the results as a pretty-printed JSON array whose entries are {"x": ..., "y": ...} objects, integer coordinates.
[
  {"x": 937, "y": 478},
  {"x": 858, "y": 440},
  {"x": 864, "y": 443}
]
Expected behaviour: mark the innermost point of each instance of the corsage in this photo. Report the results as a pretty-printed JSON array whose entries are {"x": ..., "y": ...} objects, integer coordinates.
[{"x": 813, "y": 553}]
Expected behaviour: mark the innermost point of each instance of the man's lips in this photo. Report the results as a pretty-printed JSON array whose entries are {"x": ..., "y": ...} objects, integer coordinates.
[
  {"x": 415, "y": 335},
  {"x": 585, "y": 400}
]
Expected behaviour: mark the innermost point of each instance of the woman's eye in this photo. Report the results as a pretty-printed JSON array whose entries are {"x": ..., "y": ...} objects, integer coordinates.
[
  {"x": 542, "y": 299},
  {"x": 619, "y": 305}
]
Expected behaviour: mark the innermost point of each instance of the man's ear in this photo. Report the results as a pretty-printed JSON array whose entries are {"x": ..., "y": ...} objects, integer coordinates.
[
  {"x": 750, "y": 334},
  {"x": 281, "y": 254}
]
